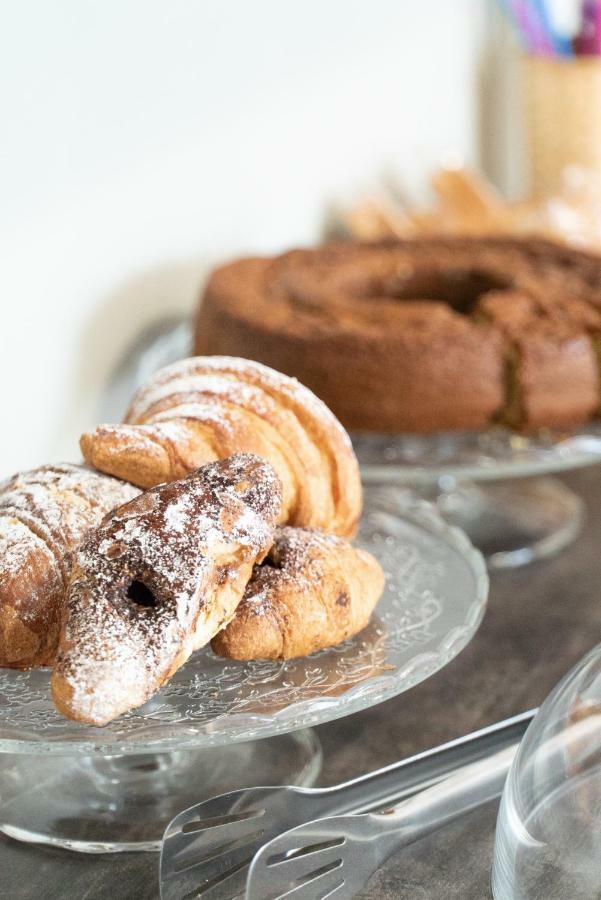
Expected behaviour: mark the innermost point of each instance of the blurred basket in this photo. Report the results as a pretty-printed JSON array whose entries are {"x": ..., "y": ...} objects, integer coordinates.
[{"x": 563, "y": 118}]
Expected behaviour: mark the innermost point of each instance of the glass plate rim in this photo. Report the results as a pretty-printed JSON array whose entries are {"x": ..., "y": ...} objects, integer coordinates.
[{"x": 544, "y": 453}]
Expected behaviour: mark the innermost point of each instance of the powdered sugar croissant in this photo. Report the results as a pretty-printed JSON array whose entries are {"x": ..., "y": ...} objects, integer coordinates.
[
  {"x": 312, "y": 591},
  {"x": 44, "y": 514},
  {"x": 208, "y": 408},
  {"x": 156, "y": 580}
]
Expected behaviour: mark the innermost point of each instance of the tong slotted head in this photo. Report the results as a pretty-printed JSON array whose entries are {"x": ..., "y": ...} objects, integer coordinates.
[
  {"x": 208, "y": 848},
  {"x": 336, "y": 857}
]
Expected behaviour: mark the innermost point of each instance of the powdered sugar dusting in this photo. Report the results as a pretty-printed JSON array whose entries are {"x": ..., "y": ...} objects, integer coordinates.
[
  {"x": 185, "y": 543},
  {"x": 206, "y": 412},
  {"x": 225, "y": 386},
  {"x": 177, "y": 514},
  {"x": 223, "y": 375},
  {"x": 296, "y": 558},
  {"x": 20, "y": 548},
  {"x": 63, "y": 501},
  {"x": 44, "y": 514},
  {"x": 312, "y": 590}
]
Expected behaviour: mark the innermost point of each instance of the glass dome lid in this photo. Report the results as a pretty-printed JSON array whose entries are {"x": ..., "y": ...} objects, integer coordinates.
[{"x": 548, "y": 841}]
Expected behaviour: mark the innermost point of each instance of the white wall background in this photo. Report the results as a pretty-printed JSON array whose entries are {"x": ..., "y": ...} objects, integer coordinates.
[{"x": 142, "y": 138}]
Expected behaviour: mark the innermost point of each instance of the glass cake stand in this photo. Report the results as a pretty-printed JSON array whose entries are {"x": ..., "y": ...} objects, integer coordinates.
[
  {"x": 115, "y": 788},
  {"x": 493, "y": 484}
]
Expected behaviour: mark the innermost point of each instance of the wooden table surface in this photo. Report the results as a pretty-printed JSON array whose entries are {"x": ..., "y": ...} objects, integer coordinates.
[{"x": 541, "y": 619}]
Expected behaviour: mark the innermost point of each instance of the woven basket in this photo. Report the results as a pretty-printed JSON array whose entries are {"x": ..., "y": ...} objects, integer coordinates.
[{"x": 563, "y": 118}]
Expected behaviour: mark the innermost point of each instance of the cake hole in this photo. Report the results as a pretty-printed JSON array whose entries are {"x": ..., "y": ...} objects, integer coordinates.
[
  {"x": 141, "y": 595},
  {"x": 461, "y": 289}
]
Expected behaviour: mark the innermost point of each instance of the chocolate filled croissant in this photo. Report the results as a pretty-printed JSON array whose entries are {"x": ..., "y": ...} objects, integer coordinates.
[
  {"x": 156, "y": 580},
  {"x": 208, "y": 408},
  {"x": 312, "y": 591},
  {"x": 44, "y": 514}
]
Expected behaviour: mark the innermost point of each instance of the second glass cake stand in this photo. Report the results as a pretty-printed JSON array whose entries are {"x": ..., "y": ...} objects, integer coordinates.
[
  {"x": 496, "y": 485},
  {"x": 218, "y": 724}
]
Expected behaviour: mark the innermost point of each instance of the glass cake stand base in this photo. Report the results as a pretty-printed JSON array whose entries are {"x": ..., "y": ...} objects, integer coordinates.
[
  {"x": 511, "y": 522},
  {"x": 108, "y": 804}
]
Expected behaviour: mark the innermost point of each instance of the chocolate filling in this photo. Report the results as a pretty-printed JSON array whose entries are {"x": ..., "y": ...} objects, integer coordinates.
[{"x": 141, "y": 595}]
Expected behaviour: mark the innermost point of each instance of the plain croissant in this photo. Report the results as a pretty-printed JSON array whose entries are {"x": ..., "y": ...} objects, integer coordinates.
[{"x": 208, "y": 408}]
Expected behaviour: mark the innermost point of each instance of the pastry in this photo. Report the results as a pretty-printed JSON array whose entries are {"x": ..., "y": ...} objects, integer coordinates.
[
  {"x": 44, "y": 514},
  {"x": 468, "y": 204},
  {"x": 421, "y": 335},
  {"x": 199, "y": 410},
  {"x": 311, "y": 591},
  {"x": 157, "y": 580}
]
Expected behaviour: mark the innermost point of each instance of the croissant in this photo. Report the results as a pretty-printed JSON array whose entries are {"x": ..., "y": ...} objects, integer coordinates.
[
  {"x": 44, "y": 514},
  {"x": 207, "y": 408},
  {"x": 312, "y": 591},
  {"x": 156, "y": 580}
]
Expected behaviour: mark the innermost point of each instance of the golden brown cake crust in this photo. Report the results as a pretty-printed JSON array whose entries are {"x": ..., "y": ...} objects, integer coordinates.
[
  {"x": 312, "y": 591},
  {"x": 44, "y": 514},
  {"x": 420, "y": 335}
]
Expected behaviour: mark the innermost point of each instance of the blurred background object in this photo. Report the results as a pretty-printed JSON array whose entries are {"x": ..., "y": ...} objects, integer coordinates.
[
  {"x": 546, "y": 54},
  {"x": 561, "y": 41},
  {"x": 144, "y": 142},
  {"x": 549, "y": 826},
  {"x": 467, "y": 204},
  {"x": 563, "y": 118}
]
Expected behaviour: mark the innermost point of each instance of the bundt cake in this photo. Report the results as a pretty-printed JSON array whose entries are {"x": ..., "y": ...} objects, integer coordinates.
[{"x": 421, "y": 335}]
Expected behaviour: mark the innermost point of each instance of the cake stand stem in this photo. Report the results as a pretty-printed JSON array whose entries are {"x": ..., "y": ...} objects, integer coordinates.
[
  {"x": 110, "y": 804},
  {"x": 512, "y": 522}
]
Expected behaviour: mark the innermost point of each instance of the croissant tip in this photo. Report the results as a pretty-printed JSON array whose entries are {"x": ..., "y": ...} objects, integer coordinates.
[{"x": 127, "y": 452}]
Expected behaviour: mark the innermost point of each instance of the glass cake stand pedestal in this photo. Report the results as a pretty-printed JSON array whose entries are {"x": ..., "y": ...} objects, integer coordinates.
[
  {"x": 219, "y": 724},
  {"x": 496, "y": 485}
]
